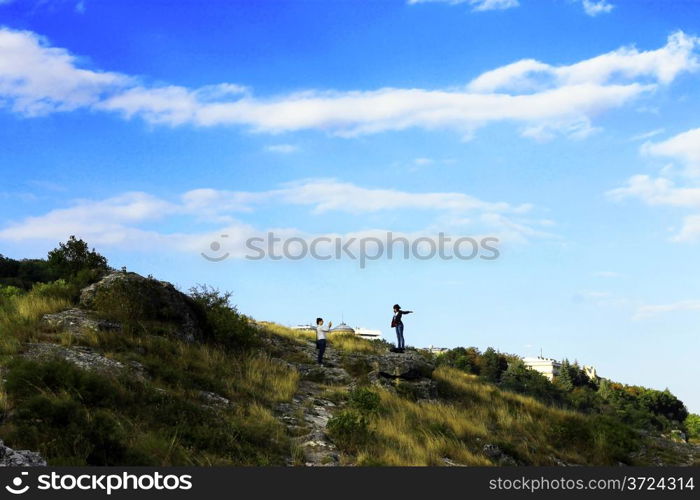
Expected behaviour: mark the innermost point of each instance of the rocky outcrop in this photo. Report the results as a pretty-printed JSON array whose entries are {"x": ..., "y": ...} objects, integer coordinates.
[
  {"x": 126, "y": 296},
  {"x": 77, "y": 322},
  {"x": 406, "y": 366},
  {"x": 19, "y": 458},
  {"x": 82, "y": 357}
]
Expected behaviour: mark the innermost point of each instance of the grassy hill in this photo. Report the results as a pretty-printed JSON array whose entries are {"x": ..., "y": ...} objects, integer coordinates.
[{"x": 148, "y": 376}]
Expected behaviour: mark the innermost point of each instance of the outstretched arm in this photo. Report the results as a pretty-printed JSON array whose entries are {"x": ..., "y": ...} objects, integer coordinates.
[{"x": 406, "y": 312}]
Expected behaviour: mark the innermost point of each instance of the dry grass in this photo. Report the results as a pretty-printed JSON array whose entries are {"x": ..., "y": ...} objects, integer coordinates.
[
  {"x": 473, "y": 414},
  {"x": 345, "y": 342},
  {"x": 20, "y": 317}
]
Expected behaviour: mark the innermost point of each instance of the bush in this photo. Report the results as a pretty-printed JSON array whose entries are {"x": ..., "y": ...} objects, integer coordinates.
[
  {"x": 59, "y": 289},
  {"x": 692, "y": 425},
  {"x": 364, "y": 400},
  {"x": 74, "y": 256},
  {"x": 523, "y": 380},
  {"x": 493, "y": 365},
  {"x": 223, "y": 323},
  {"x": 349, "y": 430},
  {"x": 79, "y": 417},
  {"x": 463, "y": 359},
  {"x": 8, "y": 292}
]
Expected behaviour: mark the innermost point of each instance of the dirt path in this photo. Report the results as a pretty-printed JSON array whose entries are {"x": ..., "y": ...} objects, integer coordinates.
[{"x": 307, "y": 415}]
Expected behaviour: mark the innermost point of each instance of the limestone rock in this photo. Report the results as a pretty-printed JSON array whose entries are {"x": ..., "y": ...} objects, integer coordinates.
[
  {"x": 82, "y": 357},
  {"x": 77, "y": 321},
  {"x": 19, "y": 458},
  {"x": 406, "y": 366},
  {"x": 130, "y": 296}
]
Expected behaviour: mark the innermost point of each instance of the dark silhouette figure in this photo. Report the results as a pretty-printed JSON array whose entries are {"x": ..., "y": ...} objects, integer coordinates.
[{"x": 398, "y": 324}]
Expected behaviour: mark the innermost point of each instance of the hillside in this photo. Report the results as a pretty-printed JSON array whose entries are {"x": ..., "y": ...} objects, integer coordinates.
[{"x": 129, "y": 370}]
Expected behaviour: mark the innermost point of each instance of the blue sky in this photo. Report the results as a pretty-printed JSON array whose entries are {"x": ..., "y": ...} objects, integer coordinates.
[{"x": 567, "y": 129}]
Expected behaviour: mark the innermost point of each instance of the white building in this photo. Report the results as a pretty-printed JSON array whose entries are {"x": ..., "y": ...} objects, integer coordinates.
[
  {"x": 546, "y": 366},
  {"x": 368, "y": 334},
  {"x": 342, "y": 328},
  {"x": 365, "y": 333},
  {"x": 304, "y": 328},
  {"x": 437, "y": 350}
]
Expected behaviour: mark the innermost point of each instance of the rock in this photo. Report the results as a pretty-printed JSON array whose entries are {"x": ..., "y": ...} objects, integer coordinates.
[
  {"x": 324, "y": 374},
  {"x": 406, "y": 366},
  {"x": 214, "y": 400},
  {"x": 19, "y": 458},
  {"x": 77, "y": 321},
  {"x": 495, "y": 453},
  {"x": 82, "y": 357},
  {"x": 130, "y": 296}
]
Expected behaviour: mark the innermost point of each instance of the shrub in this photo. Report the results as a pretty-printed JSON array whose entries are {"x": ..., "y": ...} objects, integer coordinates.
[
  {"x": 349, "y": 430},
  {"x": 59, "y": 289},
  {"x": 364, "y": 400},
  {"x": 223, "y": 323},
  {"x": 692, "y": 425},
  {"x": 78, "y": 417},
  {"x": 9, "y": 292},
  {"x": 74, "y": 256},
  {"x": 521, "y": 379}
]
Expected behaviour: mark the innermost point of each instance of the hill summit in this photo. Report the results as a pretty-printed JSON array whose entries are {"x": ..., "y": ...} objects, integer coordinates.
[{"x": 128, "y": 370}]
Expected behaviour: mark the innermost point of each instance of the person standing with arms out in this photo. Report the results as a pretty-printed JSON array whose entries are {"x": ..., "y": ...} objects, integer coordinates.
[
  {"x": 321, "y": 332},
  {"x": 398, "y": 324}
]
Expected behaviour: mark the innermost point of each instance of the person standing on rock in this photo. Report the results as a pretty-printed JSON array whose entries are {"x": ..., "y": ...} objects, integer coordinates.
[
  {"x": 321, "y": 332},
  {"x": 398, "y": 324}
]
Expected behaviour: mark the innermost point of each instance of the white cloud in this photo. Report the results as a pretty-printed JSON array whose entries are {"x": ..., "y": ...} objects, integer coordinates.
[
  {"x": 648, "y": 311},
  {"x": 422, "y": 162},
  {"x": 662, "y": 191},
  {"x": 477, "y": 5},
  {"x": 657, "y": 191},
  {"x": 282, "y": 148},
  {"x": 684, "y": 148},
  {"x": 627, "y": 63},
  {"x": 37, "y": 79},
  {"x": 596, "y": 7},
  {"x": 647, "y": 135},
  {"x": 131, "y": 220},
  {"x": 545, "y": 100},
  {"x": 690, "y": 230},
  {"x": 330, "y": 195}
]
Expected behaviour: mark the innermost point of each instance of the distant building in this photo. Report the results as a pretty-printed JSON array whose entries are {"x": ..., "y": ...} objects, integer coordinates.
[
  {"x": 365, "y": 333},
  {"x": 304, "y": 328},
  {"x": 437, "y": 350},
  {"x": 546, "y": 366},
  {"x": 343, "y": 328},
  {"x": 590, "y": 371},
  {"x": 368, "y": 334}
]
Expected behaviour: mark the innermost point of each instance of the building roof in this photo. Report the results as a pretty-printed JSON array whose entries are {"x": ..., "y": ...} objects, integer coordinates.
[{"x": 342, "y": 328}]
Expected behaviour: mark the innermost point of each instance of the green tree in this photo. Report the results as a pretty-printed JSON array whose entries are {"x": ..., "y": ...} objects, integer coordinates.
[
  {"x": 467, "y": 360},
  {"x": 74, "y": 258},
  {"x": 692, "y": 425},
  {"x": 493, "y": 364},
  {"x": 521, "y": 379}
]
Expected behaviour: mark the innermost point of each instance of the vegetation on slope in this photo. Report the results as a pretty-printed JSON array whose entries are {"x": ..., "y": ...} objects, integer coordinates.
[{"x": 214, "y": 401}]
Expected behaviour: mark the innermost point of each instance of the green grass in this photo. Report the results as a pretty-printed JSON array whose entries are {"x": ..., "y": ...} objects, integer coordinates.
[
  {"x": 153, "y": 412},
  {"x": 78, "y": 417},
  {"x": 472, "y": 413}
]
